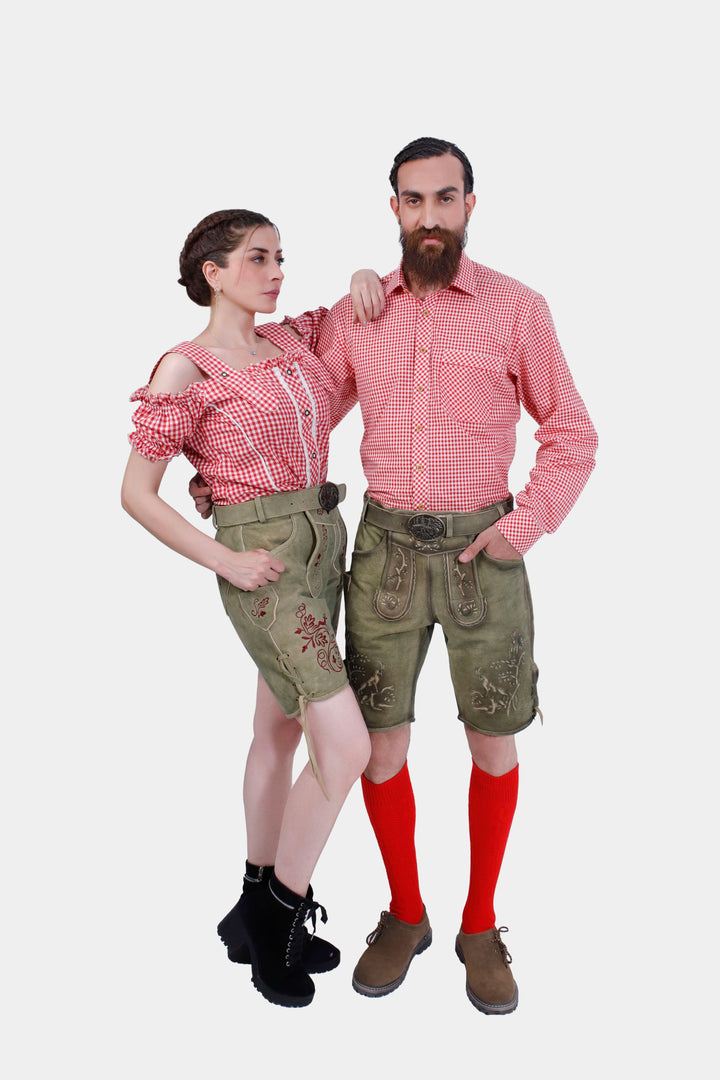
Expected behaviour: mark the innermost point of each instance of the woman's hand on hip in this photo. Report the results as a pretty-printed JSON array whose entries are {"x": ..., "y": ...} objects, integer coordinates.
[{"x": 249, "y": 570}]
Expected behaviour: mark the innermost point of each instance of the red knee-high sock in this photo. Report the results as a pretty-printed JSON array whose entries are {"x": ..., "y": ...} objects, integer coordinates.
[
  {"x": 491, "y": 806},
  {"x": 391, "y": 809}
]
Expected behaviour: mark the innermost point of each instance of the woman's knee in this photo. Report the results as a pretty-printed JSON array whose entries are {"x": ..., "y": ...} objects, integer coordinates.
[
  {"x": 279, "y": 738},
  {"x": 339, "y": 734}
]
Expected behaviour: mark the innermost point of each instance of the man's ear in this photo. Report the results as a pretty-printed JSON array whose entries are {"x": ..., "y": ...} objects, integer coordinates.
[
  {"x": 470, "y": 201},
  {"x": 395, "y": 206}
]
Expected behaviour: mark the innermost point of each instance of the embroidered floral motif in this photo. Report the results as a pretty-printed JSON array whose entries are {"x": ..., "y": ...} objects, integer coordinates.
[
  {"x": 322, "y": 547},
  {"x": 462, "y": 581},
  {"x": 321, "y": 638},
  {"x": 257, "y": 611},
  {"x": 395, "y": 578},
  {"x": 499, "y": 692}
]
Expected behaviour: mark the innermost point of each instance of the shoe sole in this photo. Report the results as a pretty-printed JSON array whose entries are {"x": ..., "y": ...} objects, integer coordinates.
[
  {"x": 276, "y": 998},
  {"x": 381, "y": 991},
  {"x": 485, "y": 1006},
  {"x": 239, "y": 941}
]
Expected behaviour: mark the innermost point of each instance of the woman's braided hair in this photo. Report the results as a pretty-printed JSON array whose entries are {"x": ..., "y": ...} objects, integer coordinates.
[{"x": 212, "y": 240}]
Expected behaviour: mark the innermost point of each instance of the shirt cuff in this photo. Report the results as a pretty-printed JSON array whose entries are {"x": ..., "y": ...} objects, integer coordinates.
[{"x": 520, "y": 529}]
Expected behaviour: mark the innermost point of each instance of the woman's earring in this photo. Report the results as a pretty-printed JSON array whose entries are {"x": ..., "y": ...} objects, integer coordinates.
[{"x": 217, "y": 290}]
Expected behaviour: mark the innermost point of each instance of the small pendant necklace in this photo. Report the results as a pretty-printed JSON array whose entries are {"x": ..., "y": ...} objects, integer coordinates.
[{"x": 234, "y": 348}]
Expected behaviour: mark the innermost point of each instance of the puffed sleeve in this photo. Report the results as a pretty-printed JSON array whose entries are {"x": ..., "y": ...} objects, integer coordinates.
[
  {"x": 308, "y": 326},
  {"x": 164, "y": 422}
]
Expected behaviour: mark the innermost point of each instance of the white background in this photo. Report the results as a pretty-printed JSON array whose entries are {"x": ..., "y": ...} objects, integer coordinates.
[{"x": 128, "y": 700}]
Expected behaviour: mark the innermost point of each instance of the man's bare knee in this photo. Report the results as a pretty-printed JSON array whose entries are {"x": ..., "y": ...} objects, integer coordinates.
[
  {"x": 388, "y": 754},
  {"x": 494, "y": 754}
]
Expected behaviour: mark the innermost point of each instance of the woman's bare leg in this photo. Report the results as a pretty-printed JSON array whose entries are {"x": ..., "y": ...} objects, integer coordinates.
[
  {"x": 268, "y": 775},
  {"x": 342, "y": 749}
]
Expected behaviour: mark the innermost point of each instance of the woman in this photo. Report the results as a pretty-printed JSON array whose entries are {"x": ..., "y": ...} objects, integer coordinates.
[{"x": 251, "y": 409}]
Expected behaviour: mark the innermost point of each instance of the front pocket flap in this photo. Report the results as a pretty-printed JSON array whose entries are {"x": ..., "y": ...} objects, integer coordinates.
[{"x": 466, "y": 384}]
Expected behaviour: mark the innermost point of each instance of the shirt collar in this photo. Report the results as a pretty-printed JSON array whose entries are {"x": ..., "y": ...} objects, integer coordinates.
[{"x": 464, "y": 279}]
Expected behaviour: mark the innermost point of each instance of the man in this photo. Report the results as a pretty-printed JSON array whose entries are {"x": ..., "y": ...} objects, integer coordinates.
[{"x": 440, "y": 377}]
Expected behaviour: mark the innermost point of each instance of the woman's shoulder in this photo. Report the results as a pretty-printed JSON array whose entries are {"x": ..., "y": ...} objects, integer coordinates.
[{"x": 173, "y": 373}]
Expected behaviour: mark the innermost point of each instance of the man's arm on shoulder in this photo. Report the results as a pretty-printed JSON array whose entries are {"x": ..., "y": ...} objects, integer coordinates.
[{"x": 334, "y": 352}]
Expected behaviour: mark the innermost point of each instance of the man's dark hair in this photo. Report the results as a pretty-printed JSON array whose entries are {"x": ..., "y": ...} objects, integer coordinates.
[{"x": 427, "y": 148}]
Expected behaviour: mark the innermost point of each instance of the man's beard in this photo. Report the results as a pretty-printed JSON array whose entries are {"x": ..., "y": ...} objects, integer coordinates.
[{"x": 431, "y": 266}]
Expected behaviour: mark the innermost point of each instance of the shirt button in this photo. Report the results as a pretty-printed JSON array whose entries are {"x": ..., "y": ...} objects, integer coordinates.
[
  {"x": 306, "y": 412},
  {"x": 423, "y": 349},
  {"x": 288, "y": 371},
  {"x": 418, "y": 427},
  {"x": 421, "y": 506},
  {"x": 420, "y": 389},
  {"x": 313, "y": 455},
  {"x": 419, "y": 468}
]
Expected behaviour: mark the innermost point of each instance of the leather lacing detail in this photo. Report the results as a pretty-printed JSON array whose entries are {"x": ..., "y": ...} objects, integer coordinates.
[
  {"x": 379, "y": 929},
  {"x": 296, "y": 938},
  {"x": 507, "y": 958}
]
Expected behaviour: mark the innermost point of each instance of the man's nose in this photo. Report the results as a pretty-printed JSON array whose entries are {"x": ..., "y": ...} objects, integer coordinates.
[{"x": 428, "y": 218}]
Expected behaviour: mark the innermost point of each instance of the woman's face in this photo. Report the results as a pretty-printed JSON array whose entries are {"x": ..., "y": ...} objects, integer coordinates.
[{"x": 253, "y": 275}]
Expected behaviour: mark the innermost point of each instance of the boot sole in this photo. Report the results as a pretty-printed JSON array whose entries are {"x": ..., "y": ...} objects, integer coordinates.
[
  {"x": 239, "y": 941},
  {"x": 484, "y": 1006},
  {"x": 381, "y": 991},
  {"x": 277, "y": 998}
]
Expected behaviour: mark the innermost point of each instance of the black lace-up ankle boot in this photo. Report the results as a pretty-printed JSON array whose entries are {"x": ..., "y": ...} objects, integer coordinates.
[
  {"x": 273, "y": 932},
  {"x": 318, "y": 955}
]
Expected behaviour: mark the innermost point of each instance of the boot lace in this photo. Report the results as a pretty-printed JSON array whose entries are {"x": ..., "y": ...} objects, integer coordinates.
[
  {"x": 298, "y": 933},
  {"x": 379, "y": 930},
  {"x": 507, "y": 958}
]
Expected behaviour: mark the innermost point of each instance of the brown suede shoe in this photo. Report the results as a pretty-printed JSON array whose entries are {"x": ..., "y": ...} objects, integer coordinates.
[
  {"x": 489, "y": 984},
  {"x": 391, "y": 947}
]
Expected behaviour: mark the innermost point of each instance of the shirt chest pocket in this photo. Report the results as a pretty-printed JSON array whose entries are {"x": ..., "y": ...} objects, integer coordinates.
[{"x": 467, "y": 385}]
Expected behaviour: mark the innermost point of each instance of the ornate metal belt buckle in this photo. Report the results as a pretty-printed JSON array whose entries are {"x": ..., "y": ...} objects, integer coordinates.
[
  {"x": 426, "y": 527},
  {"x": 329, "y": 496}
]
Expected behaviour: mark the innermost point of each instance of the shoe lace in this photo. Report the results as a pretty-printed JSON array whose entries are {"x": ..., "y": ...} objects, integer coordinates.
[
  {"x": 379, "y": 929},
  {"x": 298, "y": 933},
  {"x": 501, "y": 944}
]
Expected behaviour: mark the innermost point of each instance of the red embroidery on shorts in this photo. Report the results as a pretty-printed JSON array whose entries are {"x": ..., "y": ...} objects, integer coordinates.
[
  {"x": 323, "y": 545},
  {"x": 320, "y": 637},
  {"x": 257, "y": 608}
]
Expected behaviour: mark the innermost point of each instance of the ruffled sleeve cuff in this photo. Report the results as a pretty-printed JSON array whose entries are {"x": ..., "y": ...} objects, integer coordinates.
[{"x": 164, "y": 422}]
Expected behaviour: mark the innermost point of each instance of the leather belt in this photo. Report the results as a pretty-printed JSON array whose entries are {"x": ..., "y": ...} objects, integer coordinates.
[
  {"x": 264, "y": 507},
  {"x": 434, "y": 526}
]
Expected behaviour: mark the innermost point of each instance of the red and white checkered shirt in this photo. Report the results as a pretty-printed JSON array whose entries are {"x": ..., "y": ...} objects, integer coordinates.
[
  {"x": 251, "y": 432},
  {"x": 440, "y": 383}
]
